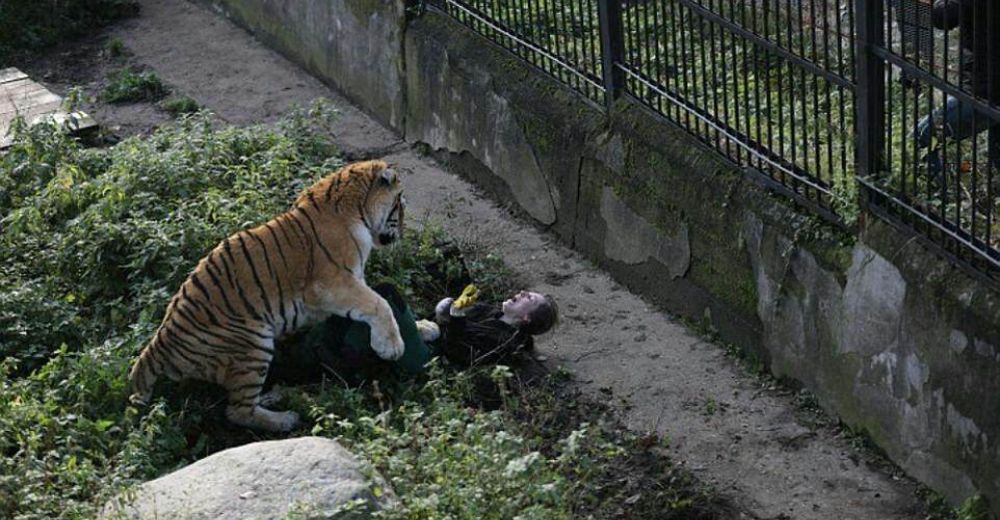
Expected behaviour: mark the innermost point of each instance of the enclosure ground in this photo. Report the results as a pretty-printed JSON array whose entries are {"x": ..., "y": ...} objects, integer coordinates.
[{"x": 749, "y": 438}]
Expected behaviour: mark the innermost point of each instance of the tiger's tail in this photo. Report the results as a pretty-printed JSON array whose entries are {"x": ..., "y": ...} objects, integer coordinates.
[{"x": 143, "y": 375}]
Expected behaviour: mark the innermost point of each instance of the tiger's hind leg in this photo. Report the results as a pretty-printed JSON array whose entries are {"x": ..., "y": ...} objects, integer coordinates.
[{"x": 244, "y": 386}]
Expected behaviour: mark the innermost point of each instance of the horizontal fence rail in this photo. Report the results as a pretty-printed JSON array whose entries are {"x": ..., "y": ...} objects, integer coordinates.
[
  {"x": 561, "y": 37},
  {"x": 899, "y": 99}
]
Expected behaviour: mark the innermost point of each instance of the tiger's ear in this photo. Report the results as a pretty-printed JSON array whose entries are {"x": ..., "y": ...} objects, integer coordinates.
[{"x": 388, "y": 177}]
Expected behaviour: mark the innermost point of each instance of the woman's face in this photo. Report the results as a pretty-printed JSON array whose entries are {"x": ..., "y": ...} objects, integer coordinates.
[{"x": 520, "y": 306}]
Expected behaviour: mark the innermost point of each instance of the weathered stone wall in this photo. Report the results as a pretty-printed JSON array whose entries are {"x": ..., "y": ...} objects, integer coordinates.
[
  {"x": 354, "y": 45},
  {"x": 890, "y": 336}
]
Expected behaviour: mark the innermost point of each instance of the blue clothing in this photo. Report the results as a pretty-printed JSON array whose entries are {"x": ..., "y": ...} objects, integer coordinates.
[{"x": 957, "y": 121}]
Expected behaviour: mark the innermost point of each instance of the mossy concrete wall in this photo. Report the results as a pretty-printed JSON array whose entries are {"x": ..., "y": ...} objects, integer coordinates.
[
  {"x": 354, "y": 45},
  {"x": 888, "y": 335}
]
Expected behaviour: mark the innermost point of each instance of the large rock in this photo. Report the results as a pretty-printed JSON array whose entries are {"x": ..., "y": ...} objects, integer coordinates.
[{"x": 308, "y": 476}]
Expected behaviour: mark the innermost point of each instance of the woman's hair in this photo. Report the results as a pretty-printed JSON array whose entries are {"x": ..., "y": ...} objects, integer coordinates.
[{"x": 542, "y": 318}]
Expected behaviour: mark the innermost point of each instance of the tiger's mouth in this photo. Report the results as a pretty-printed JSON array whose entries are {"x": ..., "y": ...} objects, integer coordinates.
[{"x": 393, "y": 227}]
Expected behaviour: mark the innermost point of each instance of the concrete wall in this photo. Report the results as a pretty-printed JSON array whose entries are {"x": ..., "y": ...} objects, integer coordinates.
[
  {"x": 354, "y": 45},
  {"x": 889, "y": 336}
]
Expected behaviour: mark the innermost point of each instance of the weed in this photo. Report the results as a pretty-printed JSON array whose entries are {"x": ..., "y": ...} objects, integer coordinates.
[
  {"x": 73, "y": 99},
  {"x": 975, "y": 507},
  {"x": 179, "y": 105},
  {"x": 750, "y": 361},
  {"x": 711, "y": 406},
  {"x": 115, "y": 47},
  {"x": 128, "y": 86},
  {"x": 808, "y": 410},
  {"x": 423, "y": 149},
  {"x": 937, "y": 506},
  {"x": 861, "y": 441},
  {"x": 807, "y": 401}
]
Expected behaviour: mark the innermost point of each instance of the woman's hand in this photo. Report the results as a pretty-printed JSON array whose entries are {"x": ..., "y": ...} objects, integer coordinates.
[
  {"x": 441, "y": 313},
  {"x": 468, "y": 297}
]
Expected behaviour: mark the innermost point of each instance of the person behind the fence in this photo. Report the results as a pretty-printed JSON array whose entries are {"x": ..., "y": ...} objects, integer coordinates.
[
  {"x": 463, "y": 331},
  {"x": 979, "y": 24}
]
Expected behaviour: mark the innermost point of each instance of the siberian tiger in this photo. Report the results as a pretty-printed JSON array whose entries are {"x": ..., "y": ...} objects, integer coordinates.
[{"x": 260, "y": 284}]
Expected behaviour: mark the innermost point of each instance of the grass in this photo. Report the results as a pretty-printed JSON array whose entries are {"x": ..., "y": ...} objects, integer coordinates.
[
  {"x": 93, "y": 242},
  {"x": 126, "y": 85}
]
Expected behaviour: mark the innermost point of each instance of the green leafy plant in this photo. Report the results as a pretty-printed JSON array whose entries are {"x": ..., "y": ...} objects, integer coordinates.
[
  {"x": 126, "y": 85},
  {"x": 179, "y": 105},
  {"x": 974, "y": 508},
  {"x": 115, "y": 47}
]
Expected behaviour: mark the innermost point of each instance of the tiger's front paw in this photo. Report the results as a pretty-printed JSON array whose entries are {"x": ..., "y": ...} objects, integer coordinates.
[
  {"x": 287, "y": 421},
  {"x": 388, "y": 346}
]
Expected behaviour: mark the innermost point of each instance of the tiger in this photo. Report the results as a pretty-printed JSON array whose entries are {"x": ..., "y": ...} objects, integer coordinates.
[{"x": 270, "y": 281}]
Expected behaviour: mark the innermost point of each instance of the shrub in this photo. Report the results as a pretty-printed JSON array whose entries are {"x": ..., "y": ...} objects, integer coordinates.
[
  {"x": 30, "y": 25},
  {"x": 179, "y": 105},
  {"x": 444, "y": 458},
  {"x": 126, "y": 85}
]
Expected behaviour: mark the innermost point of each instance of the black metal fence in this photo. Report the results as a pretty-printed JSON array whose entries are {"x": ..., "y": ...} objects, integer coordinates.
[
  {"x": 821, "y": 99},
  {"x": 561, "y": 37},
  {"x": 936, "y": 169},
  {"x": 767, "y": 84}
]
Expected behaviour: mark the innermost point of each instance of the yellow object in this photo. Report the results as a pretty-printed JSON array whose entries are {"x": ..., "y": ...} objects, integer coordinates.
[{"x": 469, "y": 296}]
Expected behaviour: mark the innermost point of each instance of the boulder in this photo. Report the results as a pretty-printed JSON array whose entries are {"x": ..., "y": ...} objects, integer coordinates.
[{"x": 307, "y": 477}]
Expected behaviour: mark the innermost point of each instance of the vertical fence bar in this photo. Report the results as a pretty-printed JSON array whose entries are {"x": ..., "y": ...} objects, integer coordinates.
[
  {"x": 870, "y": 90},
  {"x": 612, "y": 48}
]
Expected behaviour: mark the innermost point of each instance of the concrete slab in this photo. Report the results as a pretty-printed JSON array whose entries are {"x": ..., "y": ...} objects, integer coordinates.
[{"x": 22, "y": 96}]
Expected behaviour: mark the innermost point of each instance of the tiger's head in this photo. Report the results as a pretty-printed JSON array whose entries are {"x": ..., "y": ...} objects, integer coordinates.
[
  {"x": 369, "y": 191},
  {"x": 385, "y": 217}
]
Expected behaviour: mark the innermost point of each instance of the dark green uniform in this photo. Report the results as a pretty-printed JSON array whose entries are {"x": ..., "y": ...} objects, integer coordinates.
[{"x": 343, "y": 345}]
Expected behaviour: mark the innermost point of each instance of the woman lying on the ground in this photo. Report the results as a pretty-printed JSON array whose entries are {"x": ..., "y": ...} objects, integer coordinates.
[
  {"x": 464, "y": 332},
  {"x": 479, "y": 333}
]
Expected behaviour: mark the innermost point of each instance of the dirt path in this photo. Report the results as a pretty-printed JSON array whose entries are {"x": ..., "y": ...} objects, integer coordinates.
[{"x": 744, "y": 437}]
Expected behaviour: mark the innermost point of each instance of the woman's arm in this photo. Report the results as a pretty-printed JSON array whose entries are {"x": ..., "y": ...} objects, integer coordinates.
[
  {"x": 442, "y": 311},
  {"x": 452, "y": 321},
  {"x": 468, "y": 332}
]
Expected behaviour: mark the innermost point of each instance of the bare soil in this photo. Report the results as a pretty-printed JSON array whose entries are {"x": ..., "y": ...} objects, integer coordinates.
[{"x": 749, "y": 438}]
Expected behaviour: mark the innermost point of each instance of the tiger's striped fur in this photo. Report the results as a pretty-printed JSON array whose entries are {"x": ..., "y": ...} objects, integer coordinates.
[{"x": 262, "y": 283}]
